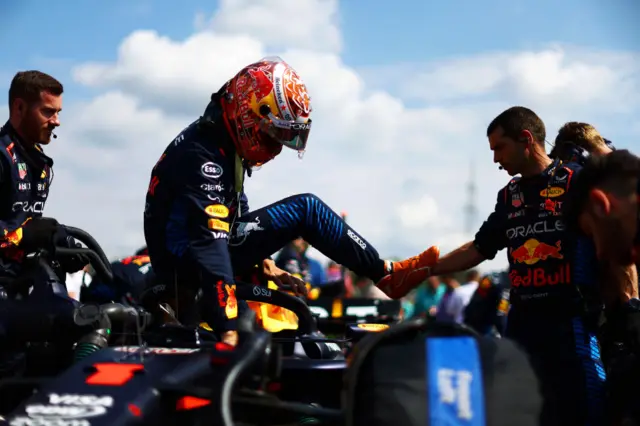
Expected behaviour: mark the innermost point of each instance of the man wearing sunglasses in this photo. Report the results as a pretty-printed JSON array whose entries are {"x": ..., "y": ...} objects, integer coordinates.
[{"x": 198, "y": 226}]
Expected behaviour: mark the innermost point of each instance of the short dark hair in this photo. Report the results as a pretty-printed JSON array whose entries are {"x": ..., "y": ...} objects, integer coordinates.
[
  {"x": 516, "y": 119},
  {"x": 28, "y": 85},
  {"x": 614, "y": 172}
]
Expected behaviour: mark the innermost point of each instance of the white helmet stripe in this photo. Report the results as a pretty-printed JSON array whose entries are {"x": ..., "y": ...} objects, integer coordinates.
[{"x": 278, "y": 88}]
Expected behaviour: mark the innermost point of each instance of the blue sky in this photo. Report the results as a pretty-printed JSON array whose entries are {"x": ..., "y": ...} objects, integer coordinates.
[
  {"x": 406, "y": 31},
  {"x": 389, "y": 45}
]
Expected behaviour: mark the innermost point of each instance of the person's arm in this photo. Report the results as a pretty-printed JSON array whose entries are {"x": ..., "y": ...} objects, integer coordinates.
[
  {"x": 489, "y": 240},
  {"x": 206, "y": 242},
  {"x": 464, "y": 257}
]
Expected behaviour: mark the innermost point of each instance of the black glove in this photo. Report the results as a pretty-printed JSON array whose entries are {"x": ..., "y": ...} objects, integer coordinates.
[
  {"x": 40, "y": 233},
  {"x": 73, "y": 263}
]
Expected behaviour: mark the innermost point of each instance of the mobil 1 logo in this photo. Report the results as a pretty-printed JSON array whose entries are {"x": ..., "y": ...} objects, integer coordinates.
[{"x": 64, "y": 410}]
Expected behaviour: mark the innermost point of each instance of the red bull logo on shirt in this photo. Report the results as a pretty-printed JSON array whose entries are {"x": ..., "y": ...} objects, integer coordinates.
[
  {"x": 532, "y": 252},
  {"x": 540, "y": 277}
]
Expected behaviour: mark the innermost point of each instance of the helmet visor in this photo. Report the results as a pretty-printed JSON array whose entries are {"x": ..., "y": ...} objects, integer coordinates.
[{"x": 289, "y": 133}]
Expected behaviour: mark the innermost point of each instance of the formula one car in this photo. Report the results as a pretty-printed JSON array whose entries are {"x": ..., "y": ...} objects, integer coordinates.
[
  {"x": 120, "y": 349},
  {"x": 151, "y": 385}
]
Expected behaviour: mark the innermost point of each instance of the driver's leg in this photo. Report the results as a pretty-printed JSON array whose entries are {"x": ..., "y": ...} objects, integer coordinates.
[{"x": 259, "y": 234}]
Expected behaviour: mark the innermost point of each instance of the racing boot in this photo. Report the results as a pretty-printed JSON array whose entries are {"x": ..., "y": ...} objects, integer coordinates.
[{"x": 408, "y": 274}]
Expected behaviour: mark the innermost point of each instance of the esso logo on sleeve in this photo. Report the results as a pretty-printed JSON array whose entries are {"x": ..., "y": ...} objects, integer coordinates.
[{"x": 211, "y": 170}]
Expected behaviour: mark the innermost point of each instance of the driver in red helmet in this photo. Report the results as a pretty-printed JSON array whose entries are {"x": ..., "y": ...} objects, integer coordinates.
[{"x": 198, "y": 226}]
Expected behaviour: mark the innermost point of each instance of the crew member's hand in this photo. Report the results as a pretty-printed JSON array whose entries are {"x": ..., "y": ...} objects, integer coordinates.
[
  {"x": 280, "y": 277},
  {"x": 40, "y": 233},
  {"x": 230, "y": 337}
]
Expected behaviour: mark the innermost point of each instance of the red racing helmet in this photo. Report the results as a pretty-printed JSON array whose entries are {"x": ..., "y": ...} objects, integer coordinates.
[{"x": 266, "y": 106}]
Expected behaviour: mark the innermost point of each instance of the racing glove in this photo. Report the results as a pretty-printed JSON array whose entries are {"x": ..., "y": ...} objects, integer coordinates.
[
  {"x": 40, "y": 233},
  {"x": 409, "y": 273}
]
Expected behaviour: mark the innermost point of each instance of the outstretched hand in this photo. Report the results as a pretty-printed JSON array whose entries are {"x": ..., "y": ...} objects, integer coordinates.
[{"x": 281, "y": 277}]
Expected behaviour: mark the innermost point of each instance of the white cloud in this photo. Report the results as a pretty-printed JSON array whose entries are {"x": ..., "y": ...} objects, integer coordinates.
[
  {"x": 558, "y": 77},
  {"x": 370, "y": 153},
  {"x": 173, "y": 75},
  {"x": 102, "y": 161},
  {"x": 420, "y": 213},
  {"x": 309, "y": 24}
]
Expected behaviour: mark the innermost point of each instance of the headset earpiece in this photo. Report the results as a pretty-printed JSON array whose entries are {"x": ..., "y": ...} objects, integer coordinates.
[
  {"x": 609, "y": 144},
  {"x": 569, "y": 152}
]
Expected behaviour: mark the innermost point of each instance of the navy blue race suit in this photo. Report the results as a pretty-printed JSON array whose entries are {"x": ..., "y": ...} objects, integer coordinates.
[
  {"x": 131, "y": 276},
  {"x": 553, "y": 280},
  {"x": 25, "y": 177},
  {"x": 201, "y": 233}
]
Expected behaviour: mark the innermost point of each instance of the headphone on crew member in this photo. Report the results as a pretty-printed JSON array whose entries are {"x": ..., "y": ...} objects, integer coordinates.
[{"x": 569, "y": 152}]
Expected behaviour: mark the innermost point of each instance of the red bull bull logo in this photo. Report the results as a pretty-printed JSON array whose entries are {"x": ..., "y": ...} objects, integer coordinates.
[{"x": 533, "y": 251}]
